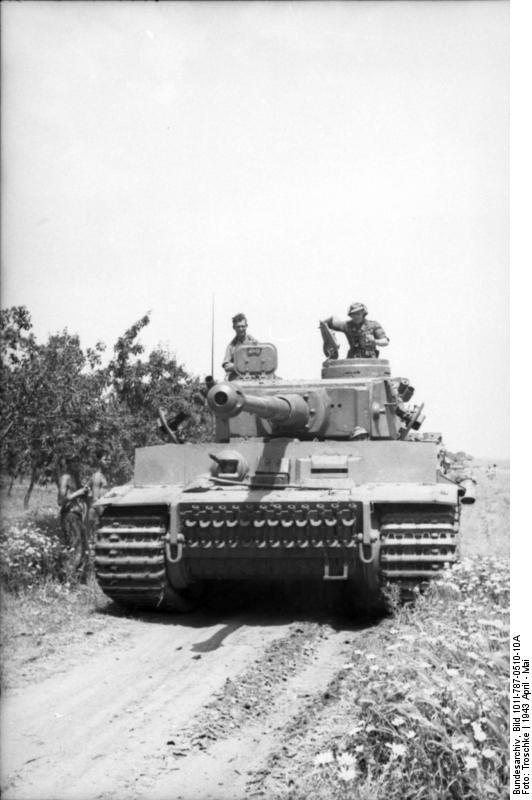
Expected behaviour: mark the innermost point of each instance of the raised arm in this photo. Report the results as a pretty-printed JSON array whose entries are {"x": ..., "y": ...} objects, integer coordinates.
[{"x": 380, "y": 337}]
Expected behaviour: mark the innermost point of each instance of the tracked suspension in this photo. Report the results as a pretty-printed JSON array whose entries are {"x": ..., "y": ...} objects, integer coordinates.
[
  {"x": 129, "y": 556},
  {"x": 416, "y": 545}
]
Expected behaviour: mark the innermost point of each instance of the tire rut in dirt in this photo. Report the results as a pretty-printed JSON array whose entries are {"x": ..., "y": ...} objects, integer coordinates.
[
  {"x": 249, "y": 696},
  {"x": 316, "y": 723},
  {"x": 274, "y": 778},
  {"x": 222, "y": 755},
  {"x": 239, "y": 730}
]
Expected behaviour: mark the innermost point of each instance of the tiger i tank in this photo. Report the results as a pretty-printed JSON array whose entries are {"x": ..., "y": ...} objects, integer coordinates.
[{"x": 327, "y": 479}]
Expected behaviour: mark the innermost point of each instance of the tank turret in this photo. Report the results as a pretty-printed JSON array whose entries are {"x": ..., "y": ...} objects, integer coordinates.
[{"x": 356, "y": 398}]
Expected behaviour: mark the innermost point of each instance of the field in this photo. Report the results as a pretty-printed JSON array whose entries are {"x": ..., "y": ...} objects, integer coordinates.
[{"x": 263, "y": 696}]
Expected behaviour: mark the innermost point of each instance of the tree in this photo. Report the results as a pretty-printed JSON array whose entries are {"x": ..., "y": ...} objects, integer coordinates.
[
  {"x": 59, "y": 400},
  {"x": 139, "y": 388},
  {"x": 17, "y": 348},
  {"x": 52, "y": 399}
]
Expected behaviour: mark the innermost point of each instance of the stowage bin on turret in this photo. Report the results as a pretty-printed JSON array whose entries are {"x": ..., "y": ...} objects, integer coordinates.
[{"x": 324, "y": 479}]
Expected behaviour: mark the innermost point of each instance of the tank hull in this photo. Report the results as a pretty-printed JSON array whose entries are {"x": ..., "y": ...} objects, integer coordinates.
[
  {"x": 324, "y": 479},
  {"x": 368, "y": 514}
]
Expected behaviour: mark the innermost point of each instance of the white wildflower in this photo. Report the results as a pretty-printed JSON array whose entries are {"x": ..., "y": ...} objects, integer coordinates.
[
  {"x": 324, "y": 758},
  {"x": 470, "y": 762},
  {"x": 397, "y": 749},
  {"x": 459, "y": 744},
  {"x": 346, "y": 759},
  {"x": 347, "y": 773},
  {"x": 478, "y": 733}
]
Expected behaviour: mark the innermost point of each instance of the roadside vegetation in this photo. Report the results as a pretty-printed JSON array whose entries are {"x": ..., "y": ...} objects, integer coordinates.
[
  {"x": 422, "y": 712},
  {"x": 43, "y": 609}
]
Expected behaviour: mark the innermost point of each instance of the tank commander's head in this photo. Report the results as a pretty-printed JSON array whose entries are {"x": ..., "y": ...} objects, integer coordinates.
[
  {"x": 240, "y": 325},
  {"x": 357, "y": 312}
]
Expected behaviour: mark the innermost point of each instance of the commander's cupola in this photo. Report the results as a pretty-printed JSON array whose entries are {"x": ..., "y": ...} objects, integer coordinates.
[{"x": 355, "y": 368}]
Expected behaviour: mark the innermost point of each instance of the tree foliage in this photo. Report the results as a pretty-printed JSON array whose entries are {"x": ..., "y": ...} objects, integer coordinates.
[{"x": 59, "y": 400}]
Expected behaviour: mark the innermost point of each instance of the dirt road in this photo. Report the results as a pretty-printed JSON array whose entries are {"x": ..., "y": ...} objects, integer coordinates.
[
  {"x": 171, "y": 707},
  {"x": 223, "y": 704}
]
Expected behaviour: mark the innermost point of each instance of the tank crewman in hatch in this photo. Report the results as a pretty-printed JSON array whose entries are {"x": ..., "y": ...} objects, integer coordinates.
[
  {"x": 240, "y": 325},
  {"x": 362, "y": 334}
]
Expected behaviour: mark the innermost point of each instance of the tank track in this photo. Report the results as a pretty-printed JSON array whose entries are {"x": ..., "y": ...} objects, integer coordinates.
[
  {"x": 416, "y": 544},
  {"x": 129, "y": 557}
]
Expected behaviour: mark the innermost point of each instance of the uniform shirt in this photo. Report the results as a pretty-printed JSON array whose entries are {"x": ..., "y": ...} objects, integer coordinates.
[
  {"x": 98, "y": 485},
  {"x": 231, "y": 347},
  {"x": 67, "y": 487},
  {"x": 357, "y": 336}
]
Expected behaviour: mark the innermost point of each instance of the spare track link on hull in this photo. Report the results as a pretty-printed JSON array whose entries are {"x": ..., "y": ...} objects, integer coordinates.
[
  {"x": 416, "y": 545},
  {"x": 129, "y": 557},
  {"x": 270, "y": 526}
]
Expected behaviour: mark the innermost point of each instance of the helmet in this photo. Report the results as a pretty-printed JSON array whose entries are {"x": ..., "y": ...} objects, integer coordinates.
[{"x": 355, "y": 308}]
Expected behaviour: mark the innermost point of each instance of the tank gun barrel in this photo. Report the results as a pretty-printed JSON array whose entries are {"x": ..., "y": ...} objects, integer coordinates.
[{"x": 226, "y": 400}]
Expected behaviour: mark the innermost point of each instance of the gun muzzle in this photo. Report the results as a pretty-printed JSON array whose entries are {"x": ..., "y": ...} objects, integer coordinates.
[{"x": 226, "y": 401}]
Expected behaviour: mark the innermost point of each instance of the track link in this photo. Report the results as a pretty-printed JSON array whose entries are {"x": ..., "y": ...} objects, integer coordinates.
[
  {"x": 416, "y": 545},
  {"x": 129, "y": 557}
]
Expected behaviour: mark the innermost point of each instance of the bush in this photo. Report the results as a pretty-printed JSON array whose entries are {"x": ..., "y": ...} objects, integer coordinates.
[{"x": 30, "y": 551}]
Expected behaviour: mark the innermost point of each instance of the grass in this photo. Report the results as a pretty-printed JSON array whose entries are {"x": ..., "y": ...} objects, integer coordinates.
[
  {"x": 40, "y": 614},
  {"x": 43, "y": 501},
  {"x": 44, "y": 620},
  {"x": 422, "y": 712}
]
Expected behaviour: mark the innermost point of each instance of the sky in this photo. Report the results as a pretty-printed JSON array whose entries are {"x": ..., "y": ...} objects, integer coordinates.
[{"x": 280, "y": 159}]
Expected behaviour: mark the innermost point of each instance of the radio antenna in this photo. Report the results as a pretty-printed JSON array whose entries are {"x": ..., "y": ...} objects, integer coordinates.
[{"x": 212, "y": 335}]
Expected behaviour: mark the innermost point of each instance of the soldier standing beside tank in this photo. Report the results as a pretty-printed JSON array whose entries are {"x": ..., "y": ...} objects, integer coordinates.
[
  {"x": 73, "y": 499},
  {"x": 98, "y": 481},
  {"x": 240, "y": 325},
  {"x": 98, "y": 486},
  {"x": 362, "y": 334}
]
